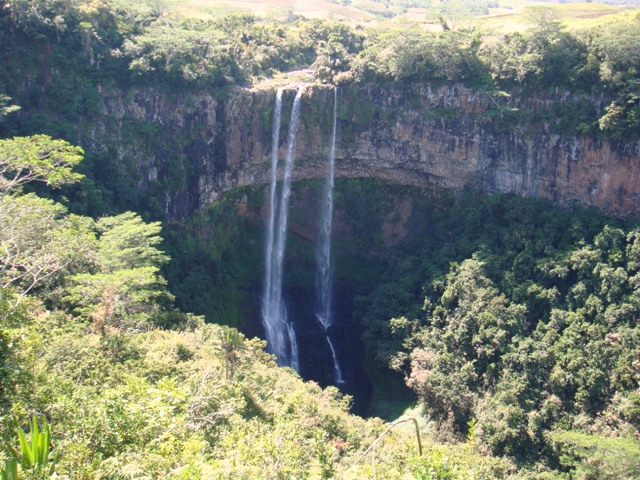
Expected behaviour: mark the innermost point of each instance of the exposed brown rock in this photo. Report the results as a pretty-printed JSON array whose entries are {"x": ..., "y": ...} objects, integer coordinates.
[{"x": 421, "y": 136}]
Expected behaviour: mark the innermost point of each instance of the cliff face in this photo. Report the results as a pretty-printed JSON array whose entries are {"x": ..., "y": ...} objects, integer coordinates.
[{"x": 193, "y": 148}]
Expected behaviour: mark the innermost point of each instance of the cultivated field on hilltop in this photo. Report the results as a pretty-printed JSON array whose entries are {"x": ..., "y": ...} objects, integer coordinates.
[{"x": 503, "y": 16}]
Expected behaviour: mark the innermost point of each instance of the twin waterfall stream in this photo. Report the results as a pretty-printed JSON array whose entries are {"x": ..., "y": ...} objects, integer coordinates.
[{"x": 279, "y": 329}]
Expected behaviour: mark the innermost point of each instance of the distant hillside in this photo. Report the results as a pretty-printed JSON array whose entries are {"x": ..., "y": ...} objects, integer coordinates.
[{"x": 503, "y": 14}]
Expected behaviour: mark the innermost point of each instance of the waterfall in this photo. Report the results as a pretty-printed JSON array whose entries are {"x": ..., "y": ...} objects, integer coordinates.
[
  {"x": 323, "y": 252},
  {"x": 270, "y": 305},
  {"x": 281, "y": 339}
]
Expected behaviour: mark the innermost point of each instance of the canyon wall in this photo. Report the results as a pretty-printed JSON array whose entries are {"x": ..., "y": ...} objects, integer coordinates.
[{"x": 191, "y": 148}]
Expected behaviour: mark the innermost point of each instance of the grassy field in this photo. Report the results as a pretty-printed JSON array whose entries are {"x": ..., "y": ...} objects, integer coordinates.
[
  {"x": 573, "y": 15},
  {"x": 267, "y": 8},
  {"x": 511, "y": 15}
]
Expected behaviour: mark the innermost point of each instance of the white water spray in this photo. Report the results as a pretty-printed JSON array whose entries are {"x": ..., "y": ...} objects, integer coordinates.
[
  {"x": 323, "y": 252},
  {"x": 281, "y": 339}
]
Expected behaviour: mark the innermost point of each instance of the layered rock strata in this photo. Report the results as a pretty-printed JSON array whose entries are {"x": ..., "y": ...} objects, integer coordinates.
[{"x": 194, "y": 147}]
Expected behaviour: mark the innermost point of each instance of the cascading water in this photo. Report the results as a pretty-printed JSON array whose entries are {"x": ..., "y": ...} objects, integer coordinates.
[
  {"x": 323, "y": 252},
  {"x": 270, "y": 306},
  {"x": 281, "y": 339}
]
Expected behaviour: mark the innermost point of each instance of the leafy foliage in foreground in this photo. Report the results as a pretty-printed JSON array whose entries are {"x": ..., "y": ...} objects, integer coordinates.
[{"x": 176, "y": 404}]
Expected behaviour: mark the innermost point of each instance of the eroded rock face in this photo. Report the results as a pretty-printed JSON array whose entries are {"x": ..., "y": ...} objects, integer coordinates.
[{"x": 195, "y": 147}]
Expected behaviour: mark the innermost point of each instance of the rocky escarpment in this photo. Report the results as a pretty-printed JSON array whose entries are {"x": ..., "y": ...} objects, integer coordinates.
[{"x": 193, "y": 147}]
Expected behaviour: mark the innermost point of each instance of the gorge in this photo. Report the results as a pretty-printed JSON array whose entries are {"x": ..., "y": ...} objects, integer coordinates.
[
  {"x": 247, "y": 244},
  {"x": 194, "y": 149},
  {"x": 189, "y": 150}
]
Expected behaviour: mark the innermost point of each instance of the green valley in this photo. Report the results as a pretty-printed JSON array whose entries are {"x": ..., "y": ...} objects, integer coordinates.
[{"x": 336, "y": 239}]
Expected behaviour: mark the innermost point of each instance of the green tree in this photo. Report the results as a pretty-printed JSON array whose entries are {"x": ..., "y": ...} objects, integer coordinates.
[
  {"x": 127, "y": 241},
  {"x": 459, "y": 350},
  {"x": 38, "y": 158},
  {"x": 125, "y": 288},
  {"x": 204, "y": 56},
  {"x": 545, "y": 55},
  {"x": 38, "y": 239},
  {"x": 617, "y": 52},
  {"x": 413, "y": 54},
  {"x": 42, "y": 16},
  {"x": 231, "y": 340},
  {"x": 622, "y": 117},
  {"x": 38, "y": 242},
  {"x": 5, "y": 108},
  {"x": 452, "y": 12},
  {"x": 593, "y": 456},
  {"x": 332, "y": 58}
]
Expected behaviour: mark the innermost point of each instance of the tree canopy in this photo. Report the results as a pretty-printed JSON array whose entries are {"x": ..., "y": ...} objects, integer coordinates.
[
  {"x": 124, "y": 287},
  {"x": 38, "y": 158}
]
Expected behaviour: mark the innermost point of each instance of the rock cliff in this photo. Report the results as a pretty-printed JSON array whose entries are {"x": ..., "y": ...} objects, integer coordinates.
[{"x": 194, "y": 147}]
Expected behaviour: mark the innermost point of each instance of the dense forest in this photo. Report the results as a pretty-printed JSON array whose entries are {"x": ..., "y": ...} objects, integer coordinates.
[{"x": 507, "y": 327}]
